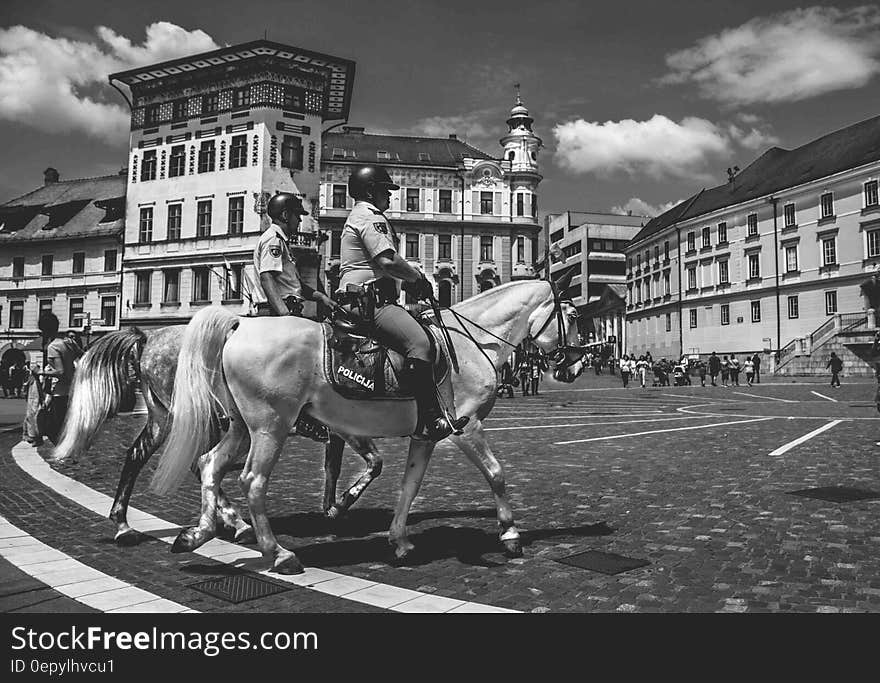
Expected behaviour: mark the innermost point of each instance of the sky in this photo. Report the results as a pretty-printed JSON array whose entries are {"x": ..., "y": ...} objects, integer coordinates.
[{"x": 638, "y": 104}]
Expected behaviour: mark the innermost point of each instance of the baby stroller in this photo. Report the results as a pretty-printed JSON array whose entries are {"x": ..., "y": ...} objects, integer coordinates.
[{"x": 680, "y": 376}]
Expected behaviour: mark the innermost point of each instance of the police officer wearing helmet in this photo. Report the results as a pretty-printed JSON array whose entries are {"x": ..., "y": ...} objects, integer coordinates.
[
  {"x": 369, "y": 249},
  {"x": 279, "y": 278}
]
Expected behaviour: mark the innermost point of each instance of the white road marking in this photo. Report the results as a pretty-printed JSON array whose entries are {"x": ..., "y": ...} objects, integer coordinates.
[
  {"x": 824, "y": 396},
  {"x": 76, "y": 580},
  {"x": 551, "y": 417},
  {"x": 806, "y": 437},
  {"x": 594, "y": 424},
  {"x": 661, "y": 431},
  {"x": 321, "y": 580},
  {"x": 769, "y": 398}
]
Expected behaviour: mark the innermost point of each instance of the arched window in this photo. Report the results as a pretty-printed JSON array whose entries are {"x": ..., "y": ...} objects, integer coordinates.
[
  {"x": 486, "y": 284},
  {"x": 510, "y": 155}
]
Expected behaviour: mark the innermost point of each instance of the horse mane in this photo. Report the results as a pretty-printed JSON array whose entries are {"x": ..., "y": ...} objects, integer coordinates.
[{"x": 488, "y": 298}]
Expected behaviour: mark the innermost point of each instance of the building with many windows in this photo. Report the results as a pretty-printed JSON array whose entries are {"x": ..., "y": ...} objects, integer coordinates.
[
  {"x": 766, "y": 261},
  {"x": 60, "y": 252}
]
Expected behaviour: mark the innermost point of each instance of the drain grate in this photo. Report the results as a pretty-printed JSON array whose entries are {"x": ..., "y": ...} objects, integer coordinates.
[
  {"x": 238, "y": 588},
  {"x": 837, "y": 494},
  {"x": 604, "y": 563}
]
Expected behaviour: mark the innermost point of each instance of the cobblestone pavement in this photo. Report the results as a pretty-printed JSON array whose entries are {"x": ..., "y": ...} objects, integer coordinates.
[{"x": 682, "y": 477}]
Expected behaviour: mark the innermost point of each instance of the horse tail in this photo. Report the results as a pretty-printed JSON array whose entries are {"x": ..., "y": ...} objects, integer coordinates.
[
  {"x": 100, "y": 385},
  {"x": 195, "y": 406}
]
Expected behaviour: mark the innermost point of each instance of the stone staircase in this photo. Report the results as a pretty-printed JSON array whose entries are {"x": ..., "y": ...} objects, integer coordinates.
[{"x": 849, "y": 335}]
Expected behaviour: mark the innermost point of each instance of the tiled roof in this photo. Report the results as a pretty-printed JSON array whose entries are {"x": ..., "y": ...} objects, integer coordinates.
[
  {"x": 65, "y": 209},
  {"x": 778, "y": 169},
  {"x": 402, "y": 149}
]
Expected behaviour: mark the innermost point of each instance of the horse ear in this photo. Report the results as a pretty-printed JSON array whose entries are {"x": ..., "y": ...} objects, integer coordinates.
[{"x": 564, "y": 281}]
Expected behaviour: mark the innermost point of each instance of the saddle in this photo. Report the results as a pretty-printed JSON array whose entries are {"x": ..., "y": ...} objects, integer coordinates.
[{"x": 359, "y": 367}]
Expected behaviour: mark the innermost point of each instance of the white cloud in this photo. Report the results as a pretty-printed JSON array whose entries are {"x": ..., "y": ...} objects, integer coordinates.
[
  {"x": 59, "y": 85},
  {"x": 657, "y": 147},
  {"x": 471, "y": 126},
  {"x": 785, "y": 57},
  {"x": 639, "y": 207},
  {"x": 756, "y": 139}
]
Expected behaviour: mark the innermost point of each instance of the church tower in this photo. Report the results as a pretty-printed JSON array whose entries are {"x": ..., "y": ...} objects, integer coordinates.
[{"x": 521, "y": 147}]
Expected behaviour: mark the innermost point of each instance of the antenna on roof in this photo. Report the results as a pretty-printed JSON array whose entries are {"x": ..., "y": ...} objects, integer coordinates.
[
  {"x": 265, "y": 34},
  {"x": 731, "y": 173}
]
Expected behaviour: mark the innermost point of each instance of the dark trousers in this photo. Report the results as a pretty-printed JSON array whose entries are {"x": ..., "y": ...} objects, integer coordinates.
[
  {"x": 535, "y": 381},
  {"x": 835, "y": 380}
]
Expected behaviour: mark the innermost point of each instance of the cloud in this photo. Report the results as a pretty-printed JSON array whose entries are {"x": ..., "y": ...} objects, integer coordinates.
[
  {"x": 754, "y": 139},
  {"x": 786, "y": 57},
  {"x": 658, "y": 147},
  {"x": 59, "y": 85},
  {"x": 466, "y": 126},
  {"x": 639, "y": 207}
]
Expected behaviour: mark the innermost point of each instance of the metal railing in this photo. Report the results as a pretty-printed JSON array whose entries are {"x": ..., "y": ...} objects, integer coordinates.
[
  {"x": 822, "y": 331},
  {"x": 852, "y": 321}
]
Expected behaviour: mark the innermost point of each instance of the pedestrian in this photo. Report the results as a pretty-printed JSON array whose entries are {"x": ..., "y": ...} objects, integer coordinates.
[
  {"x": 749, "y": 367},
  {"x": 714, "y": 368},
  {"x": 61, "y": 356},
  {"x": 725, "y": 371},
  {"x": 538, "y": 365},
  {"x": 642, "y": 369},
  {"x": 624, "y": 370},
  {"x": 507, "y": 377},
  {"x": 701, "y": 371},
  {"x": 734, "y": 370},
  {"x": 524, "y": 370},
  {"x": 756, "y": 360},
  {"x": 836, "y": 366}
]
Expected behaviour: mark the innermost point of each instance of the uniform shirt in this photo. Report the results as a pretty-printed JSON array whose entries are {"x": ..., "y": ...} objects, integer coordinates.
[
  {"x": 367, "y": 233},
  {"x": 60, "y": 356},
  {"x": 272, "y": 255}
]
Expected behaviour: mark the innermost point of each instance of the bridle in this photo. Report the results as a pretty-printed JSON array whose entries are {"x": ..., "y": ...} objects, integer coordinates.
[{"x": 561, "y": 355}]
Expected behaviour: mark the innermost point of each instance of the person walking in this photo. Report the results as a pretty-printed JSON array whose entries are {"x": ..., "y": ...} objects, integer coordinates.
[
  {"x": 756, "y": 361},
  {"x": 642, "y": 367},
  {"x": 523, "y": 370},
  {"x": 61, "y": 357},
  {"x": 836, "y": 366},
  {"x": 714, "y": 368},
  {"x": 734, "y": 371},
  {"x": 538, "y": 365},
  {"x": 506, "y": 376},
  {"x": 701, "y": 371},
  {"x": 725, "y": 371},
  {"x": 624, "y": 370},
  {"x": 749, "y": 367}
]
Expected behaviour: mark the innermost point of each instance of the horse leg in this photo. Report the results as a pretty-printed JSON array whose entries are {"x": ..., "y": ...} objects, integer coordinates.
[
  {"x": 228, "y": 511},
  {"x": 366, "y": 448},
  {"x": 416, "y": 464},
  {"x": 146, "y": 443},
  {"x": 254, "y": 479},
  {"x": 476, "y": 448},
  {"x": 211, "y": 468}
]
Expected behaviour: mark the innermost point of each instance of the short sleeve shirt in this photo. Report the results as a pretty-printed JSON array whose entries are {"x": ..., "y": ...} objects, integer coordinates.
[
  {"x": 272, "y": 255},
  {"x": 60, "y": 355},
  {"x": 367, "y": 233}
]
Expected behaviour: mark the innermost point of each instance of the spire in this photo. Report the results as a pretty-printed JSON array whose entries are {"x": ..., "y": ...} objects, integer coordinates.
[
  {"x": 518, "y": 98},
  {"x": 519, "y": 115}
]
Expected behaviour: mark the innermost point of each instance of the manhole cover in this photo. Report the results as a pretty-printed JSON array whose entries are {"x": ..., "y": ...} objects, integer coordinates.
[
  {"x": 238, "y": 588},
  {"x": 604, "y": 563},
  {"x": 837, "y": 494}
]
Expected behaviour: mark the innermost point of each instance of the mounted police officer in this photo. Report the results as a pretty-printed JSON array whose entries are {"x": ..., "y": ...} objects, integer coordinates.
[{"x": 369, "y": 250}]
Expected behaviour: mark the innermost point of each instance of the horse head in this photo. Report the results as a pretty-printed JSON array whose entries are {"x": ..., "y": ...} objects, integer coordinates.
[{"x": 553, "y": 329}]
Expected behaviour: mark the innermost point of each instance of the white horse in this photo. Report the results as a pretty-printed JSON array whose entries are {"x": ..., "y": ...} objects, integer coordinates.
[{"x": 262, "y": 372}]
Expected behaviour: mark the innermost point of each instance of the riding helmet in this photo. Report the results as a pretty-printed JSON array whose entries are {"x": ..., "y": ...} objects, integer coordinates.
[
  {"x": 285, "y": 201},
  {"x": 364, "y": 179}
]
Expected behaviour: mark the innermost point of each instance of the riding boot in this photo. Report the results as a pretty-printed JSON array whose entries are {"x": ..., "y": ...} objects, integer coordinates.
[{"x": 433, "y": 424}]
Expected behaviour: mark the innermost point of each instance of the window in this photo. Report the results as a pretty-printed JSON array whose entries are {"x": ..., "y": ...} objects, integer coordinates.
[
  {"x": 666, "y": 251},
  {"x": 238, "y": 151},
  {"x": 45, "y": 307},
  {"x": 203, "y": 219},
  {"x": 175, "y": 215},
  {"x": 752, "y": 223},
  {"x": 572, "y": 249},
  {"x": 754, "y": 266},
  {"x": 445, "y": 205},
  {"x": 412, "y": 199},
  {"x": 520, "y": 204},
  {"x": 210, "y": 103},
  {"x": 178, "y": 109},
  {"x": 383, "y": 155},
  {"x": 142, "y": 288},
  {"x": 722, "y": 233},
  {"x": 16, "y": 314},
  {"x": 666, "y": 284},
  {"x": 241, "y": 97},
  {"x": 638, "y": 261},
  {"x": 487, "y": 253},
  {"x": 79, "y": 262},
  {"x": 236, "y": 215},
  {"x": 424, "y": 156},
  {"x": 412, "y": 246},
  {"x": 200, "y": 285},
  {"x": 707, "y": 237},
  {"x": 338, "y": 153},
  {"x": 48, "y": 264},
  {"x": 692, "y": 242},
  {"x": 669, "y": 322},
  {"x": 692, "y": 314},
  {"x": 830, "y": 303},
  {"x": 171, "y": 287},
  {"x": 339, "y": 196},
  {"x": 206, "y": 156},
  {"x": 829, "y": 251},
  {"x": 873, "y": 243},
  {"x": 335, "y": 243},
  {"x": 756, "y": 311},
  {"x": 827, "y": 205},
  {"x": 789, "y": 215},
  {"x": 725, "y": 314},
  {"x": 292, "y": 152},
  {"x": 145, "y": 229},
  {"x": 609, "y": 247},
  {"x": 871, "y": 195},
  {"x": 723, "y": 272},
  {"x": 791, "y": 260},
  {"x": 646, "y": 285},
  {"x": 232, "y": 283},
  {"x": 148, "y": 165},
  {"x": 486, "y": 202},
  {"x": 177, "y": 161},
  {"x": 692, "y": 278},
  {"x": 109, "y": 260},
  {"x": 520, "y": 249},
  {"x": 792, "y": 307},
  {"x": 151, "y": 114},
  {"x": 534, "y": 201},
  {"x": 18, "y": 266},
  {"x": 76, "y": 313},
  {"x": 108, "y": 311},
  {"x": 444, "y": 247}
]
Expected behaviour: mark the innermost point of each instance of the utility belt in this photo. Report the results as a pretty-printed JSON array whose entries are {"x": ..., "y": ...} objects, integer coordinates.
[
  {"x": 294, "y": 306},
  {"x": 369, "y": 295}
]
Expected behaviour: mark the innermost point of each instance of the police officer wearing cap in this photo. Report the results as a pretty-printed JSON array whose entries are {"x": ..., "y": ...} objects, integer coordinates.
[
  {"x": 369, "y": 250},
  {"x": 279, "y": 278}
]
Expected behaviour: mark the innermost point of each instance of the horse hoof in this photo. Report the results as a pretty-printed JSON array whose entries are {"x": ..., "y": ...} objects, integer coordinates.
[
  {"x": 185, "y": 542},
  {"x": 127, "y": 538},
  {"x": 513, "y": 548},
  {"x": 335, "y": 511},
  {"x": 287, "y": 564},
  {"x": 246, "y": 536}
]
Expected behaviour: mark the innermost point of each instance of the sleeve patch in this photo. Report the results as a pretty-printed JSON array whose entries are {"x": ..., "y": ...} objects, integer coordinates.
[
  {"x": 381, "y": 227},
  {"x": 275, "y": 251}
]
